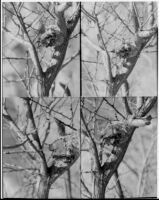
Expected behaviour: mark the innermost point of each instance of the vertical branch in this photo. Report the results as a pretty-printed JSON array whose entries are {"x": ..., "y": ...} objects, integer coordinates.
[
  {"x": 43, "y": 180},
  {"x": 127, "y": 107},
  {"x": 68, "y": 173},
  {"x": 92, "y": 176},
  {"x": 93, "y": 144},
  {"x": 116, "y": 175},
  {"x": 141, "y": 177},
  {"x": 59, "y": 11},
  {"x": 68, "y": 184},
  {"x": 135, "y": 16},
  {"x": 105, "y": 54},
  {"x": 37, "y": 61},
  {"x": 94, "y": 169},
  {"x": 43, "y": 186},
  {"x": 139, "y": 102},
  {"x": 150, "y": 10},
  {"x": 126, "y": 88},
  {"x": 33, "y": 52},
  {"x": 32, "y": 124}
]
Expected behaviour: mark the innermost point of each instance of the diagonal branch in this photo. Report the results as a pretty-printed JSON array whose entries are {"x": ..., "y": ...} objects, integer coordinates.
[
  {"x": 70, "y": 59},
  {"x": 116, "y": 175},
  {"x": 127, "y": 107},
  {"x": 88, "y": 14},
  {"x": 122, "y": 21},
  {"x": 135, "y": 16},
  {"x": 141, "y": 177},
  {"x": 106, "y": 56},
  {"x": 15, "y": 146},
  {"x": 52, "y": 72},
  {"x": 52, "y": 15},
  {"x": 111, "y": 105},
  {"x": 96, "y": 47},
  {"x": 98, "y": 165},
  {"x": 32, "y": 124},
  {"x": 130, "y": 131},
  {"x": 33, "y": 49},
  {"x": 20, "y": 135}
]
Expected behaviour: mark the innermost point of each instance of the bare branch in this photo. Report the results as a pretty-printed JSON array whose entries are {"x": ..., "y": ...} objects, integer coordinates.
[
  {"x": 106, "y": 56},
  {"x": 111, "y": 105},
  {"x": 141, "y": 177},
  {"x": 88, "y": 14},
  {"x": 127, "y": 107},
  {"x": 98, "y": 165},
  {"x": 86, "y": 188},
  {"x": 96, "y": 47},
  {"x": 116, "y": 175},
  {"x": 151, "y": 12},
  {"x": 70, "y": 59},
  {"x": 122, "y": 21},
  {"x": 135, "y": 16},
  {"x": 20, "y": 134},
  {"x": 51, "y": 14},
  {"x": 15, "y": 146},
  {"x": 32, "y": 50}
]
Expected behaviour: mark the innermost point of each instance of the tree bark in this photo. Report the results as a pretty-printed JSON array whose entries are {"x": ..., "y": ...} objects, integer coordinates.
[
  {"x": 43, "y": 187},
  {"x": 68, "y": 184},
  {"x": 99, "y": 186}
]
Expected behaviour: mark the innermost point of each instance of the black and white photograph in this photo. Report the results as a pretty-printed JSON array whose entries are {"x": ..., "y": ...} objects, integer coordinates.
[
  {"x": 41, "y": 148},
  {"x": 119, "y": 147},
  {"x": 119, "y": 48},
  {"x": 40, "y": 52},
  {"x": 79, "y": 106}
]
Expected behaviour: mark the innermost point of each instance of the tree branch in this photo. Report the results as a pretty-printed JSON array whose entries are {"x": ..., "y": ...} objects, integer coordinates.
[
  {"x": 36, "y": 58},
  {"x": 98, "y": 165},
  {"x": 122, "y": 21},
  {"x": 110, "y": 168},
  {"x": 135, "y": 16},
  {"x": 141, "y": 177},
  {"x": 121, "y": 194},
  {"x": 127, "y": 107},
  {"x": 15, "y": 146}
]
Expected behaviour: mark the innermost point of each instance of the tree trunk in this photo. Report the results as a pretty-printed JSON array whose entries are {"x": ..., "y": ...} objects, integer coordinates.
[
  {"x": 68, "y": 184},
  {"x": 43, "y": 187},
  {"x": 99, "y": 186}
]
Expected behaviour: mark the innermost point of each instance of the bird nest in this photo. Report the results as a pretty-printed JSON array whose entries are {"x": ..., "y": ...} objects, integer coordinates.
[{"x": 52, "y": 37}]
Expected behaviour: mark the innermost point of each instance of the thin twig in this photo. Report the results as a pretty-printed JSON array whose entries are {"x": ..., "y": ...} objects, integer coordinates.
[
  {"x": 70, "y": 59},
  {"x": 111, "y": 105},
  {"x": 53, "y": 16},
  {"x": 96, "y": 47},
  {"x": 127, "y": 107},
  {"x": 106, "y": 56},
  {"x": 15, "y": 146},
  {"x": 122, "y": 21},
  {"x": 35, "y": 54},
  {"x": 140, "y": 183},
  {"x": 98, "y": 165},
  {"x": 116, "y": 175}
]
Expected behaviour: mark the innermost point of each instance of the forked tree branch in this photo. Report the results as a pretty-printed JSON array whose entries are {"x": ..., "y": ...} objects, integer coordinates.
[
  {"x": 110, "y": 169},
  {"x": 96, "y": 157}
]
